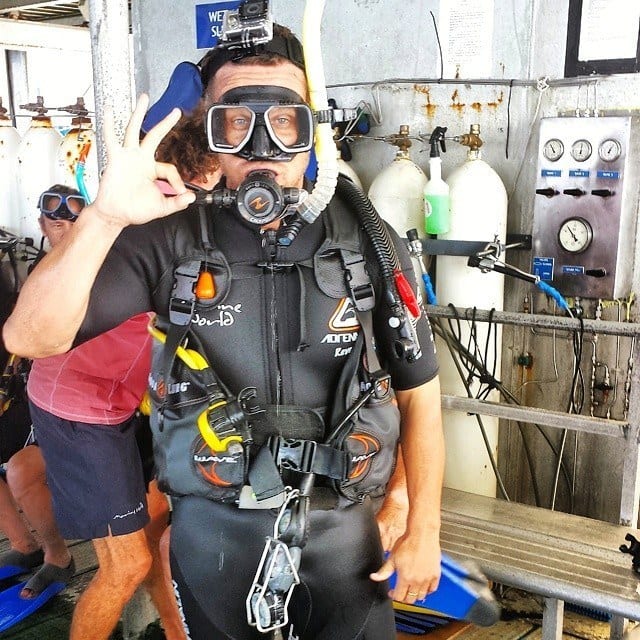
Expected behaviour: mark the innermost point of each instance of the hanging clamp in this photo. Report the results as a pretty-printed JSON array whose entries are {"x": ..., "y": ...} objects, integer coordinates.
[{"x": 277, "y": 573}]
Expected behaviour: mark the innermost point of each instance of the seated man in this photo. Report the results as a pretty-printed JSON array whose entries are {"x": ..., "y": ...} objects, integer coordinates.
[{"x": 83, "y": 405}]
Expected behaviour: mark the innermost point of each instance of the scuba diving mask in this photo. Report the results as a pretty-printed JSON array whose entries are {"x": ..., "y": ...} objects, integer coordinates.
[
  {"x": 60, "y": 206},
  {"x": 260, "y": 123}
]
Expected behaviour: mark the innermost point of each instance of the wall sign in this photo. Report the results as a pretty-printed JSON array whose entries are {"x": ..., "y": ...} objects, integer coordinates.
[
  {"x": 603, "y": 36},
  {"x": 209, "y": 19}
]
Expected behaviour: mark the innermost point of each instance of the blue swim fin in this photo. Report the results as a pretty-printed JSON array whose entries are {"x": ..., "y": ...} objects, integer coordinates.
[
  {"x": 463, "y": 594},
  {"x": 12, "y": 570},
  {"x": 13, "y": 608}
]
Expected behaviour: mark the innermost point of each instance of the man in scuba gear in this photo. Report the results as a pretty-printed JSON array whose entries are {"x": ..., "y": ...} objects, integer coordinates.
[{"x": 126, "y": 256}]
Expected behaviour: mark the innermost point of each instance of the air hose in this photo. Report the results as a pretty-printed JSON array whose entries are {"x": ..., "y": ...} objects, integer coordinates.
[
  {"x": 400, "y": 296},
  {"x": 311, "y": 207}
]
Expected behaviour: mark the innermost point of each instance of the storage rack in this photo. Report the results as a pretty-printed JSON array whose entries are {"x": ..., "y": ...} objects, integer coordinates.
[{"x": 628, "y": 429}]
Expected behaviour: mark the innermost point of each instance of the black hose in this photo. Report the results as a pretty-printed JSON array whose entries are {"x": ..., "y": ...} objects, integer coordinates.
[{"x": 373, "y": 225}]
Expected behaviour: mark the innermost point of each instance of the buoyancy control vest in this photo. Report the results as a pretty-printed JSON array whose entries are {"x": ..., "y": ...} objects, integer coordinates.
[{"x": 224, "y": 446}]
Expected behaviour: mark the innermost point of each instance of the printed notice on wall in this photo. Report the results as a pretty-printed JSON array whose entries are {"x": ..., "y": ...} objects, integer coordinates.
[
  {"x": 609, "y": 29},
  {"x": 209, "y": 20},
  {"x": 466, "y": 36}
]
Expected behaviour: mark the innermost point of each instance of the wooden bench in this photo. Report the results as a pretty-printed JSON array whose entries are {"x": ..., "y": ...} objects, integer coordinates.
[{"x": 562, "y": 557}]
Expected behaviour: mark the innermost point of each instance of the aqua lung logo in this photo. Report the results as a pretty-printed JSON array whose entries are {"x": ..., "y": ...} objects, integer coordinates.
[
  {"x": 344, "y": 327},
  {"x": 161, "y": 389},
  {"x": 362, "y": 449}
]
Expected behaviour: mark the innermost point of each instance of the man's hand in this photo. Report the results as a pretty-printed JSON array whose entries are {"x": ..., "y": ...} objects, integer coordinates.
[
  {"x": 127, "y": 193},
  {"x": 392, "y": 517},
  {"x": 416, "y": 561}
]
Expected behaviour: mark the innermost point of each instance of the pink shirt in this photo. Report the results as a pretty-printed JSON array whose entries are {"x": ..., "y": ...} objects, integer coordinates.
[{"x": 99, "y": 382}]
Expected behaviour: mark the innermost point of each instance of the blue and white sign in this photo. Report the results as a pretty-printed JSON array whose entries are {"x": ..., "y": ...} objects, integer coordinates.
[
  {"x": 572, "y": 270},
  {"x": 578, "y": 173},
  {"x": 551, "y": 173},
  {"x": 543, "y": 268},
  {"x": 609, "y": 175},
  {"x": 209, "y": 18}
]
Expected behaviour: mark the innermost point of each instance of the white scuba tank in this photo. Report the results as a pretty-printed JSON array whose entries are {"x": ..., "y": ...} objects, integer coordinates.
[
  {"x": 478, "y": 203},
  {"x": 36, "y": 168},
  {"x": 9, "y": 201},
  {"x": 79, "y": 143},
  {"x": 397, "y": 191},
  {"x": 347, "y": 170}
]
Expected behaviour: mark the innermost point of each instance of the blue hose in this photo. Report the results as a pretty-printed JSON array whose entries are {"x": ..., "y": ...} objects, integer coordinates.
[
  {"x": 554, "y": 293},
  {"x": 82, "y": 187},
  {"x": 431, "y": 294}
]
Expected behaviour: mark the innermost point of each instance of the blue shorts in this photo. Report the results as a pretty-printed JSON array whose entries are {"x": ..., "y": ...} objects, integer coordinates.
[{"x": 95, "y": 476}]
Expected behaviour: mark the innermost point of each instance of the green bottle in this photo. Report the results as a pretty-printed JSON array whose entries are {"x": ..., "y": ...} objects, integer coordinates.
[{"x": 436, "y": 191}]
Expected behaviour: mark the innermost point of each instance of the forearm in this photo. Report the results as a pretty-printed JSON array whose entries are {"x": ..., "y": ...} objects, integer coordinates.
[
  {"x": 424, "y": 453},
  {"x": 53, "y": 301}
]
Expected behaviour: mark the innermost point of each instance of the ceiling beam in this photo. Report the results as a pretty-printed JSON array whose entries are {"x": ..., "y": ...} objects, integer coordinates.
[{"x": 13, "y": 5}]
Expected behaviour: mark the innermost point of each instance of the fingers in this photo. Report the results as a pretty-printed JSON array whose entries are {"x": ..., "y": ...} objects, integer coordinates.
[
  {"x": 132, "y": 132},
  {"x": 155, "y": 135},
  {"x": 384, "y": 572},
  {"x": 168, "y": 172},
  {"x": 178, "y": 202},
  {"x": 411, "y": 593}
]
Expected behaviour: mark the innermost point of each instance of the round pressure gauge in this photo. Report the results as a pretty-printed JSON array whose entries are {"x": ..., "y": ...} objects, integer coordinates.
[
  {"x": 609, "y": 150},
  {"x": 581, "y": 150},
  {"x": 553, "y": 149},
  {"x": 575, "y": 235}
]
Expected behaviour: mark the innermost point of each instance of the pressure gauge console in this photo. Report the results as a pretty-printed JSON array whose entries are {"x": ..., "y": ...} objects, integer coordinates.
[
  {"x": 609, "y": 150},
  {"x": 553, "y": 149},
  {"x": 581, "y": 150},
  {"x": 575, "y": 235}
]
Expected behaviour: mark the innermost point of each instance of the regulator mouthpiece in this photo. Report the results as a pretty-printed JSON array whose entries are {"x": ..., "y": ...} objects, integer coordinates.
[{"x": 261, "y": 200}]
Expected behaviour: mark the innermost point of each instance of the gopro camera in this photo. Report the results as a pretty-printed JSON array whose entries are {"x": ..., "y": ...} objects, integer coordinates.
[{"x": 248, "y": 25}]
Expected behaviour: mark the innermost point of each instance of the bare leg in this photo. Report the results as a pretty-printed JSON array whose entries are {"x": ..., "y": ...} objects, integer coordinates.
[
  {"x": 27, "y": 480},
  {"x": 124, "y": 562},
  {"x": 13, "y": 526},
  {"x": 158, "y": 581}
]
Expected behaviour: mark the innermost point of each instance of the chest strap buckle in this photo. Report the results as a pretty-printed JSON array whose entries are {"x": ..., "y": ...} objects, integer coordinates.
[
  {"x": 183, "y": 297},
  {"x": 308, "y": 456}
]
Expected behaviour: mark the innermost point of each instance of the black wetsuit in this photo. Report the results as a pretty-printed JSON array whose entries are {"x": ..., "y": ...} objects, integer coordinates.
[{"x": 278, "y": 332}]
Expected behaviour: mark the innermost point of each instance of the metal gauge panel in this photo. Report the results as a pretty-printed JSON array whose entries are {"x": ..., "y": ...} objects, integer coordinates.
[{"x": 584, "y": 226}]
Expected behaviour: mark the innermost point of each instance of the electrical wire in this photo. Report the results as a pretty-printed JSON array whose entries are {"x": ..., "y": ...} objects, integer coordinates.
[
  {"x": 573, "y": 406},
  {"x": 446, "y": 336},
  {"x": 466, "y": 356},
  {"x": 435, "y": 28},
  {"x": 508, "y": 134}
]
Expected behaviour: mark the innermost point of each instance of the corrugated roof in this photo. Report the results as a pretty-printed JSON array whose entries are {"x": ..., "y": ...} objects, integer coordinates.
[{"x": 42, "y": 11}]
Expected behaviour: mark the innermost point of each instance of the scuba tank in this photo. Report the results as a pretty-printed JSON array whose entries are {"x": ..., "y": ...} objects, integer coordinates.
[
  {"x": 347, "y": 170},
  {"x": 36, "y": 166},
  {"x": 9, "y": 202},
  {"x": 77, "y": 157},
  {"x": 478, "y": 212},
  {"x": 396, "y": 192},
  {"x": 436, "y": 191}
]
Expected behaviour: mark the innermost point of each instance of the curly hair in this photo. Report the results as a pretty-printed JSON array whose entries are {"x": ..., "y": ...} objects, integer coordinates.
[{"x": 187, "y": 148}]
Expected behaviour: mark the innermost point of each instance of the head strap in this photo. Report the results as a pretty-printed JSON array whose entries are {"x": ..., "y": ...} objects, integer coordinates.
[{"x": 288, "y": 48}]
